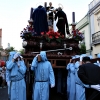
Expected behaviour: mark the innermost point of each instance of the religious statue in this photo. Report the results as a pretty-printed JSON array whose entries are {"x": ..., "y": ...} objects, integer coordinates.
[
  {"x": 39, "y": 18},
  {"x": 50, "y": 13},
  {"x": 62, "y": 21}
]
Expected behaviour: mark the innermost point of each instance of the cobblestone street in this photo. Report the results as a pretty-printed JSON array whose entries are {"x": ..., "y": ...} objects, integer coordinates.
[{"x": 3, "y": 94}]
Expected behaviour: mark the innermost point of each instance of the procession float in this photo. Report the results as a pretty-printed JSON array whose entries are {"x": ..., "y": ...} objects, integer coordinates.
[{"x": 60, "y": 46}]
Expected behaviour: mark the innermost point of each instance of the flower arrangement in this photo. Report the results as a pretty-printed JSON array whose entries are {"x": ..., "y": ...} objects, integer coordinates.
[
  {"x": 27, "y": 32},
  {"x": 77, "y": 35},
  {"x": 51, "y": 35}
]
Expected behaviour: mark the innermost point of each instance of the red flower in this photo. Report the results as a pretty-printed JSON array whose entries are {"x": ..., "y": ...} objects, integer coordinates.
[
  {"x": 50, "y": 37},
  {"x": 77, "y": 35},
  {"x": 47, "y": 34},
  {"x": 62, "y": 36},
  {"x": 30, "y": 28},
  {"x": 56, "y": 37},
  {"x": 74, "y": 32},
  {"x": 51, "y": 32},
  {"x": 79, "y": 32},
  {"x": 42, "y": 33},
  {"x": 56, "y": 33}
]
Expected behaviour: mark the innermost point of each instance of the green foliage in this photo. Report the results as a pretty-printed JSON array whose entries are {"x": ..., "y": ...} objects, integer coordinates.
[
  {"x": 10, "y": 49},
  {"x": 22, "y": 51},
  {"x": 1, "y": 49},
  {"x": 83, "y": 49}
]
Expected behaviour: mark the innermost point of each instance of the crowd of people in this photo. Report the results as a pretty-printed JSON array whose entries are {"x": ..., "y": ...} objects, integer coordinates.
[
  {"x": 3, "y": 77},
  {"x": 15, "y": 76},
  {"x": 83, "y": 79}
]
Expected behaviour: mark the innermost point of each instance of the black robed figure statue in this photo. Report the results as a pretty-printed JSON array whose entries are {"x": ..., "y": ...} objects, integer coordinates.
[{"x": 62, "y": 21}]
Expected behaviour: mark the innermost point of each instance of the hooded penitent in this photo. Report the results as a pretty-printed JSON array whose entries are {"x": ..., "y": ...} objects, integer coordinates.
[
  {"x": 11, "y": 55},
  {"x": 16, "y": 75},
  {"x": 43, "y": 77}
]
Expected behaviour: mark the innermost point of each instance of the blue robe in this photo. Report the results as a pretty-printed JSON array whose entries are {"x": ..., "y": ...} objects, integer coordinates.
[
  {"x": 11, "y": 54},
  {"x": 71, "y": 89},
  {"x": 80, "y": 89},
  {"x": 17, "y": 85},
  {"x": 0, "y": 69},
  {"x": 68, "y": 79},
  {"x": 8, "y": 81},
  {"x": 44, "y": 77}
]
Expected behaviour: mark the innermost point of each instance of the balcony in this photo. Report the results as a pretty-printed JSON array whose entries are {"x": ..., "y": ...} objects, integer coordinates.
[{"x": 96, "y": 38}]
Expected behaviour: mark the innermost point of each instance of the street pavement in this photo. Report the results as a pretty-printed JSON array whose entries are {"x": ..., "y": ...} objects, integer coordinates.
[{"x": 3, "y": 94}]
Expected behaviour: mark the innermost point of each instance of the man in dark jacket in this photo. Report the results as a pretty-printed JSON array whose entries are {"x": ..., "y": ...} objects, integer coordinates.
[{"x": 90, "y": 75}]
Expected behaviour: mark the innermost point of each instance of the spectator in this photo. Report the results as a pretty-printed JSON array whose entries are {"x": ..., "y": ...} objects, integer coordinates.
[
  {"x": 0, "y": 77},
  {"x": 89, "y": 74},
  {"x": 3, "y": 74}
]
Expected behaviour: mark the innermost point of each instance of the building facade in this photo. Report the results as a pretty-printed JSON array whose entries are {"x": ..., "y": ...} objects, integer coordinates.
[
  {"x": 0, "y": 38},
  {"x": 94, "y": 18},
  {"x": 3, "y": 55}
]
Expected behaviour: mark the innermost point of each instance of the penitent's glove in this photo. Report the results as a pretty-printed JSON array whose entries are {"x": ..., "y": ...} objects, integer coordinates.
[
  {"x": 37, "y": 55},
  {"x": 96, "y": 87},
  {"x": 81, "y": 58},
  {"x": 52, "y": 85},
  {"x": 16, "y": 55},
  {"x": 8, "y": 83},
  {"x": 21, "y": 57}
]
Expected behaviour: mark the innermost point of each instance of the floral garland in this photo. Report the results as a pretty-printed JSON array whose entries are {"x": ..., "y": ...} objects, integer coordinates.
[
  {"x": 77, "y": 35},
  {"x": 51, "y": 35},
  {"x": 27, "y": 32}
]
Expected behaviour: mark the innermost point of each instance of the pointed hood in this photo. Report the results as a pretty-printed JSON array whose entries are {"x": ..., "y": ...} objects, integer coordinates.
[
  {"x": 11, "y": 55},
  {"x": 43, "y": 56}
]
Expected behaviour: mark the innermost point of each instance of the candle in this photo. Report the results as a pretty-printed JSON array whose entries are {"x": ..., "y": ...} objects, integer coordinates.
[
  {"x": 41, "y": 46},
  {"x": 64, "y": 46},
  {"x": 45, "y": 4},
  {"x": 31, "y": 13},
  {"x": 73, "y": 17}
]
